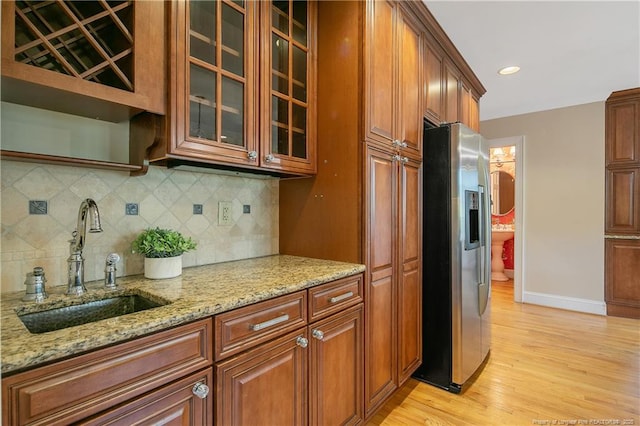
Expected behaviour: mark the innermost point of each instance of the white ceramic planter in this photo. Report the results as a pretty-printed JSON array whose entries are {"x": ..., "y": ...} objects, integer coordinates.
[{"x": 165, "y": 267}]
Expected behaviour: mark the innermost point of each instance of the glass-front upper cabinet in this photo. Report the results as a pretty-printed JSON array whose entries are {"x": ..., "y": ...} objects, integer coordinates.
[
  {"x": 288, "y": 85},
  {"x": 215, "y": 81}
]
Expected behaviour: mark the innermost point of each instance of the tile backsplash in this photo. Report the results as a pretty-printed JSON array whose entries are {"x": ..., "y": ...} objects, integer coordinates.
[{"x": 165, "y": 198}]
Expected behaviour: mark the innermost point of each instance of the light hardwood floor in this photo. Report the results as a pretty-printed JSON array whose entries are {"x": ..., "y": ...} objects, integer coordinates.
[{"x": 546, "y": 366}]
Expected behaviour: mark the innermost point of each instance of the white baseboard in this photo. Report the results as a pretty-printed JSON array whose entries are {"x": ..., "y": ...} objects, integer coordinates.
[{"x": 563, "y": 302}]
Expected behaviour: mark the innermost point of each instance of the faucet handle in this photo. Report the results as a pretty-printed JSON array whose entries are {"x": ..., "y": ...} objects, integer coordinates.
[{"x": 110, "y": 271}]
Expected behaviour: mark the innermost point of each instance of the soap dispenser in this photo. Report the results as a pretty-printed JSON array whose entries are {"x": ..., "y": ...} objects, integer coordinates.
[{"x": 35, "y": 285}]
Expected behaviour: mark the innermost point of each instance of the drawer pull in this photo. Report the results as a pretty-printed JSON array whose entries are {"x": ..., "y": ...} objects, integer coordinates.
[
  {"x": 277, "y": 320},
  {"x": 341, "y": 297},
  {"x": 200, "y": 390}
]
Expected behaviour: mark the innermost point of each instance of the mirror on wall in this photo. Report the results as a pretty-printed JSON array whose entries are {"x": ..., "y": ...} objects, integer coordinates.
[{"x": 502, "y": 192}]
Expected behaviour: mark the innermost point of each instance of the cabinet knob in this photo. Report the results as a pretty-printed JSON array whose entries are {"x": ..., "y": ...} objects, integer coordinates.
[
  {"x": 200, "y": 390},
  {"x": 252, "y": 155},
  {"x": 405, "y": 159},
  {"x": 317, "y": 334},
  {"x": 302, "y": 342},
  {"x": 399, "y": 144},
  {"x": 396, "y": 157},
  {"x": 269, "y": 158}
]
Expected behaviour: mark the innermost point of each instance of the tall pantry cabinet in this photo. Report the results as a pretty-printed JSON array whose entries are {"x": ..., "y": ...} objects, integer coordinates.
[
  {"x": 364, "y": 204},
  {"x": 622, "y": 211},
  {"x": 376, "y": 84}
]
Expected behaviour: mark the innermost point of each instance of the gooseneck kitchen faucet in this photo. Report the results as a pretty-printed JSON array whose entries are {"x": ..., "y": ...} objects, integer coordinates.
[{"x": 75, "y": 261}]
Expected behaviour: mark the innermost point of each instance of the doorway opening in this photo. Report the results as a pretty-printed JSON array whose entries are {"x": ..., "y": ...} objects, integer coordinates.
[{"x": 513, "y": 149}]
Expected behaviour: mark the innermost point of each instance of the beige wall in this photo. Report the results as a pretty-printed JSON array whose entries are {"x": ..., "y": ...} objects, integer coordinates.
[
  {"x": 165, "y": 199},
  {"x": 563, "y": 203}
]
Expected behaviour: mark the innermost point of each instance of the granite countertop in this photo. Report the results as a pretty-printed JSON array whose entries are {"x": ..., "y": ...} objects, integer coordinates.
[{"x": 199, "y": 292}]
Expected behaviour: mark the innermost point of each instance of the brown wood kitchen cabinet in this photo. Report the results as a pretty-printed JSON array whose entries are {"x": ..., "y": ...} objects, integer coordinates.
[
  {"x": 336, "y": 352},
  {"x": 451, "y": 91},
  {"x": 393, "y": 76},
  {"x": 393, "y": 310},
  {"x": 364, "y": 205},
  {"x": 278, "y": 376},
  {"x": 99, "y": 60},
  {"x": 93, "y": 59},
  {"x": 622, "y": 203},
  {"x": 241, "y": 86},
  {"x": 157, "y": 376},
  {"x": 432, "y": 81}
]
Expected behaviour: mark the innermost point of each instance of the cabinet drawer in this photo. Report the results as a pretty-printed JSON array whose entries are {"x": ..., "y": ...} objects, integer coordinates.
[
  {"x": 245, "y": 327},
  {"x": 74, "y": 389},
  {"x": 335, "y": 296},
  {"x": 174, "y": 402}
]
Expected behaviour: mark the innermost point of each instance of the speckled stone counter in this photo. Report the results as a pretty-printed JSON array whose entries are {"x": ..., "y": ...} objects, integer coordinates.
[{"x": 200, "y": 292}]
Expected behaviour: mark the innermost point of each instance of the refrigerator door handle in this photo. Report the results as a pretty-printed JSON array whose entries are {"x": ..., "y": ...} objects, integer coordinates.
[{"x": 485, "y": 258}]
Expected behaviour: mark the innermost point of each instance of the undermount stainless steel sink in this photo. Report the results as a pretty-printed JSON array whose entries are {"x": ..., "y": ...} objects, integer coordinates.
[{"x": 69, "y": 316}]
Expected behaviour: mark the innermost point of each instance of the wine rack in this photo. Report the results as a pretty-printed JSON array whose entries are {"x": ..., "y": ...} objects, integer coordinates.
[{"x": 91, "y": 40}]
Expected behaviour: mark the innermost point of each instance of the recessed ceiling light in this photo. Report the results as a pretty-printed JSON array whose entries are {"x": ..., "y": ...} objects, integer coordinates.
[{"x": 509, "y": 70}]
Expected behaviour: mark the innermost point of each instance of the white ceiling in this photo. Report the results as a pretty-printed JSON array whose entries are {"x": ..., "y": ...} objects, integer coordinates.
[{"x": 570, "y": 52}]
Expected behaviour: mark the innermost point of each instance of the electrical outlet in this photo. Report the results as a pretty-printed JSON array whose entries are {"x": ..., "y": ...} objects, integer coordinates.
[{"x": 225, "y": 216}]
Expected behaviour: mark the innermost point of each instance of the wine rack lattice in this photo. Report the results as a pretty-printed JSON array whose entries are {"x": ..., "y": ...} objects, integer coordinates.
[{"x": 91, "y": 40}]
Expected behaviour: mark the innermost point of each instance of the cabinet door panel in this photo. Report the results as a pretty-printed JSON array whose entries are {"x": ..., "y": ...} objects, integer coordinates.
[
  {"x": 288, "y": 130},
  {"x": 266, "y": 385},
  {"x": 410, "y": 111},
  {"x": 622, "y": 213},
  {"x": 622, "y": 281},
  {"x": 451, "y": 90},
  {"x": 380, "y": 72},
  {"x": 381, "y": 195},
  {"x": 380, "y": 294},
  {"x": 213, "y": 81},
  {"x": 623, "y": 133},
  {"x": 410, "y": 282},
  {"x": 465, "y": 104},
  {"x": 433, "y": 84},
  {"x": 335, "y": 369}
]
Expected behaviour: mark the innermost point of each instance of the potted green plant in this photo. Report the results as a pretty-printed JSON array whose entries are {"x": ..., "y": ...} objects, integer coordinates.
[{"x": 162, "y": 250}]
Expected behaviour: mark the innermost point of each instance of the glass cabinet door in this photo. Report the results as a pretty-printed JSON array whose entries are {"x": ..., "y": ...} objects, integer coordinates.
[
  {"x": 218, "y": 78},
  {"x": 289, "y": 74}
]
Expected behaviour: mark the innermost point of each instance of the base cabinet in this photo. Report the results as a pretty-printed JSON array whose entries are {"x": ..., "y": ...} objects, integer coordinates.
[
  {"x": 117, "y": 382},
  {"x": 622, "y": 281},
  {"x": 312, "y": 375}
]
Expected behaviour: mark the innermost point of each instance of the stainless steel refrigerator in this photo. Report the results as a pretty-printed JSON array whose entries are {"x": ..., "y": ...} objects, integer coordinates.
[{"x": 456, "y": 255}]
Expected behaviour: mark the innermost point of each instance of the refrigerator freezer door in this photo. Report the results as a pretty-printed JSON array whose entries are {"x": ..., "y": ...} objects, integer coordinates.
[{"x": 466, "y": 320}]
